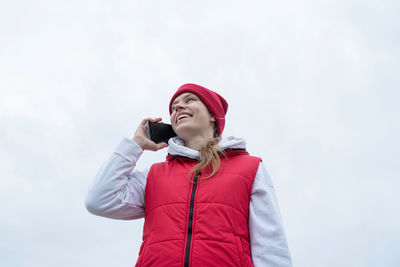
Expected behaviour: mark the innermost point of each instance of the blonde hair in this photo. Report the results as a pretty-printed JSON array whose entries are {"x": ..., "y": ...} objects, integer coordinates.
[{"x": 209, "y": 157}]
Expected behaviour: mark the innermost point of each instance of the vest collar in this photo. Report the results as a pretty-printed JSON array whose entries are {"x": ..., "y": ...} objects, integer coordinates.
[{"x": 176, "y": 147}]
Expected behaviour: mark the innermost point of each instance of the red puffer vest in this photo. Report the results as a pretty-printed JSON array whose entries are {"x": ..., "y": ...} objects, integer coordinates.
[{"x": 198, "y": 224}]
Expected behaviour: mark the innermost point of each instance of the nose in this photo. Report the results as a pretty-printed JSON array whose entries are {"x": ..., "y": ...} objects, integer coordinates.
[{"x": 177, "y": 106}]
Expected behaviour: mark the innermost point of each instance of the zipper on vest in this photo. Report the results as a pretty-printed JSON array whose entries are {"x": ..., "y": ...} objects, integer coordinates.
[{"x": 189, "y": 238}]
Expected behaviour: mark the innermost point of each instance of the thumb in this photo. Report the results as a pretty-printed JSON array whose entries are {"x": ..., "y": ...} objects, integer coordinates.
[{"x": 162, "y": 145}]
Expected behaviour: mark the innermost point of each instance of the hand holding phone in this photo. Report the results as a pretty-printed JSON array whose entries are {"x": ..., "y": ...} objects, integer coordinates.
[
  {"x": 159, "y": 132},
  {"x": 142, "y": 139}
]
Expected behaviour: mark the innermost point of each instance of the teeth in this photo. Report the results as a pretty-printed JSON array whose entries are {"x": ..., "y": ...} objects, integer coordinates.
[{"x": 183, "y": 116}]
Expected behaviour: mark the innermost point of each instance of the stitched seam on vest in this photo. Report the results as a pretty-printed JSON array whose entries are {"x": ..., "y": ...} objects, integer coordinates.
[
  {"x": 172, "y": 203},
  {"x": 180, "y": 239},
  {"x": 212, "y": 202},
  {"x": 203, "y": 239},
  {"x": 216, "y": 240},
  {"x": 223, "y": 204},
  {"x": 245, "y": 176}
]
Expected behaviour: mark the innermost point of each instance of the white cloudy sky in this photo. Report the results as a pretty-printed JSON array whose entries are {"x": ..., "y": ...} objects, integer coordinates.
[{"x": 312, "y": 85}]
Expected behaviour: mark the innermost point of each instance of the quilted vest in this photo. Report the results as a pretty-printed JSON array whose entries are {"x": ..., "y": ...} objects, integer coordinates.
[{"x": 204, "y": 223}]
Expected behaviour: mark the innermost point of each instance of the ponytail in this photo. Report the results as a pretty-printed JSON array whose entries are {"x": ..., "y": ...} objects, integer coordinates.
[{"x": 209, "y": 157}]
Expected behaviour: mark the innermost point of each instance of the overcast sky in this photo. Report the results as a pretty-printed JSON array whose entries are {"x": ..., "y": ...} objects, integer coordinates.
[{"x": 313, "y": 87}]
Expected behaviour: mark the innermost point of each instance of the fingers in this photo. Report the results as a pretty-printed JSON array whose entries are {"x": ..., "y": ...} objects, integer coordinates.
[
  {"x": 145, "y": 121},
  {"x": 161, "y": 145},
  {"x": 141, "y": 131},
  {"x": 156, "y": 147},
  {"x": 151, "y": 119}
]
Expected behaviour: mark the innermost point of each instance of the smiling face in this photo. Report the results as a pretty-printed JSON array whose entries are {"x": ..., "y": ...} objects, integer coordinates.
[{"x": 190, "y": 117}]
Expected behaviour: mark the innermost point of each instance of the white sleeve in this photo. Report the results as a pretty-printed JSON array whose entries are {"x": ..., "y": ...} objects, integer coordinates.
[
  {"x": 268, "y": 242},
  {"x": 117, "y": 191}
]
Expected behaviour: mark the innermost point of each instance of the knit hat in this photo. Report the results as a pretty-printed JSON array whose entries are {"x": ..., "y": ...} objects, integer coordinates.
[{"x": 215, "y": 103}]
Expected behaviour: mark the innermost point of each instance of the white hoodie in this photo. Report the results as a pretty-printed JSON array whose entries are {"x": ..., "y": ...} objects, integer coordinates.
[{"x": 118, "y": 192}]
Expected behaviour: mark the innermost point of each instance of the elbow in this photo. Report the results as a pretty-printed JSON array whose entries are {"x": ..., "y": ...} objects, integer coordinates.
[
  {"x": 93, "y": 205},
  {"x": 101, "y": 204}
]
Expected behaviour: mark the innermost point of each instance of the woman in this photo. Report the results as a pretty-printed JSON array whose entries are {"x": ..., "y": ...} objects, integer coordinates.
[{"x": 209, "y": 204}]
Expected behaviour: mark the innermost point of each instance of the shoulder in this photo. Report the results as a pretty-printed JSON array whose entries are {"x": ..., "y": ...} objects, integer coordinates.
[
  {"x": 255, "y": 160},
  {"x": 245, "y": 155},
  {"x": 241, "y": 162},
  {"x": 237, "y": 146},
  {"x": 158, "y": 165}
]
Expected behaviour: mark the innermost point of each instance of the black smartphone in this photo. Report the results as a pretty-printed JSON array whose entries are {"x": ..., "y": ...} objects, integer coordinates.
[{"x": 159, "y": 132}]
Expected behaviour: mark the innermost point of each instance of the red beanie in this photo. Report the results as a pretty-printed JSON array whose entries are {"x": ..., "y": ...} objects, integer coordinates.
[{"x": 215, "y": 103}]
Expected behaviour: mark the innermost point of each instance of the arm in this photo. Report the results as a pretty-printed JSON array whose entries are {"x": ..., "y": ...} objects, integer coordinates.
[
  {"x": 267, "y": 237},
  {"x": 118, "y": 190}
]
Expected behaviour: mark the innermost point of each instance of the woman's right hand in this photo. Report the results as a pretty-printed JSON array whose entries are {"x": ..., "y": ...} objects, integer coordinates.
[{"x": 143, "y": 141}]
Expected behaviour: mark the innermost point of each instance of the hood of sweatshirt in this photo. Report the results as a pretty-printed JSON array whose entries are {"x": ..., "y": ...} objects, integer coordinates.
[{"x": 176, "y": 146}]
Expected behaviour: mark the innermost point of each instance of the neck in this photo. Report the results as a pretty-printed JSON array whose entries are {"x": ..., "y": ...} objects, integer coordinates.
[{"x": 197, "y": 142}]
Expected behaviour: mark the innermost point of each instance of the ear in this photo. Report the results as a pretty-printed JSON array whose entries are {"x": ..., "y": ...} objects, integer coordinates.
[{"x": 212, "y": 119}]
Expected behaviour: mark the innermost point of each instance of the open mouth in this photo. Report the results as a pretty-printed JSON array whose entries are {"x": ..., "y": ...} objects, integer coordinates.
[{"x": 183, "y": 116}]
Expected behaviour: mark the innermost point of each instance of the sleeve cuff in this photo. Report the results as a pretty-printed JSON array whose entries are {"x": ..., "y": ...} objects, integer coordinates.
[{"x": 129, "y": 149}]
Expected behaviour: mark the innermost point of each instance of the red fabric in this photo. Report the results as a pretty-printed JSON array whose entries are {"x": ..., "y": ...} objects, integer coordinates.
[
  {"x": 215, "y": 103},
  {"x": 220, "y": 235}
]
